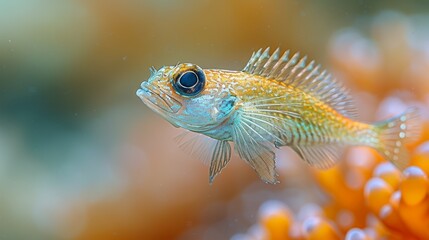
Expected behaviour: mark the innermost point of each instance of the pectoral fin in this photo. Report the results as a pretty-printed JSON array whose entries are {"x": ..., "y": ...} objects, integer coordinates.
[{"x": 256, "y": 150}]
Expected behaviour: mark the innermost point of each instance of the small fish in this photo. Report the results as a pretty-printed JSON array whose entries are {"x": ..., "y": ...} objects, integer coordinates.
[{"x": 276, "y": 100}]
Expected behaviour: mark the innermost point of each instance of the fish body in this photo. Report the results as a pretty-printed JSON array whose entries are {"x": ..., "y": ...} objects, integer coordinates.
[
  {"x": 326, "y": 125},
  {"x": 274, "y": 101}
]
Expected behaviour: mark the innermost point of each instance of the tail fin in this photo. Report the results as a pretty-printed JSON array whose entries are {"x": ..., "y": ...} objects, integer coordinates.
[{"x": 394, "y": 133}]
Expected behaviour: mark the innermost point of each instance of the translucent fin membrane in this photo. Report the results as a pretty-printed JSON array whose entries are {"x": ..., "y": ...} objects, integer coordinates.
[{"x": 309, "y": 77}]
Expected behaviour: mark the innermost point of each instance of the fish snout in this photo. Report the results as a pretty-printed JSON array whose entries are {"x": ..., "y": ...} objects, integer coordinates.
[
  {"x": 155, "y": 98},
  {"x": 142, "y": 91}
]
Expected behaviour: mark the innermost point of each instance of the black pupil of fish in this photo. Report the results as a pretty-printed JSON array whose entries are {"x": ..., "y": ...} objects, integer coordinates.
[{"x": 188, "y": 79}]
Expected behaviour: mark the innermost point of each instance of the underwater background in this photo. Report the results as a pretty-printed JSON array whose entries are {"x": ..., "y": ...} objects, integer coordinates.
[{"x": 82, "y": 158}]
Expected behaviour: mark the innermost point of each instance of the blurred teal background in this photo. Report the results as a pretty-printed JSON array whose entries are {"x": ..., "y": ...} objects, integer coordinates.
[{"x": 82, "y": 158}]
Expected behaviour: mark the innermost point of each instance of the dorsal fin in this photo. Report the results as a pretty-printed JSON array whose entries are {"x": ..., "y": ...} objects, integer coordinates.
[{"x": 308, "y": 77}]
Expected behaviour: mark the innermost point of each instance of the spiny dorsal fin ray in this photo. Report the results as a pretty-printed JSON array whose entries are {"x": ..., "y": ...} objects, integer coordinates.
[
  {"x": 274, "y": 58},
  {"x": 294, "y": 71}
]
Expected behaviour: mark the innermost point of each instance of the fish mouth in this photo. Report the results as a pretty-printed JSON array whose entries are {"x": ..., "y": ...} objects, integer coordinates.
[{"x": 155, "y": 98}]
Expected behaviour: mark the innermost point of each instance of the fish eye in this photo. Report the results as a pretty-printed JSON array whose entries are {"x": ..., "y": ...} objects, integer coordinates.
[
  {"x": 188, "y": 79},
  {"x": 189, "y": 83}
]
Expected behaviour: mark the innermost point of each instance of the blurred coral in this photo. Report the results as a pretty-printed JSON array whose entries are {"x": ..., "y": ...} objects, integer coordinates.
[
  {"x": 401, "y": 200},
  {"x": 390, "y": 53},
  {"x": 368, "y": 198},
  {"x": 80, "y": 158}
]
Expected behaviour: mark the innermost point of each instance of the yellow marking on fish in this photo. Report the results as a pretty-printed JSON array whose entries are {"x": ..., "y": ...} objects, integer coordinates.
[{"x": 274, "y": 101}]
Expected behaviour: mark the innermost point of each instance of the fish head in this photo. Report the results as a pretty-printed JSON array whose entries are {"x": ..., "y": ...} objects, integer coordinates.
[{"x": 187, "y": 98}]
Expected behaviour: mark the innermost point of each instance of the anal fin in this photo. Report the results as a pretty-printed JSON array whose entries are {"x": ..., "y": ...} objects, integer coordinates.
[{"x": 320, "y": 156}]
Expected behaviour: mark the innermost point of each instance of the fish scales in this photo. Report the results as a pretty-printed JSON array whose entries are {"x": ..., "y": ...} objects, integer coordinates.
[
  {"x": 275, "y": 101},
  {"x": 324, "y": 119}
]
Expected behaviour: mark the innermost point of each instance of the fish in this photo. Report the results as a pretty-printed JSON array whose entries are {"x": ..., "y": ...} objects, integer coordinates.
[{"x": 277, "y": 100}]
